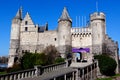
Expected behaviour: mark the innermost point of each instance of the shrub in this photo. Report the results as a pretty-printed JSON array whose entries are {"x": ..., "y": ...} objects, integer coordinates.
[
  {"x": 107, "y": 64},
  {"x": 59, "y": 60},
  {"x": 2, "y": 73},
  {"x": 40, "y": 59},
  {"x": 16, "y": 67},
  {"x": 51, "y": 53},
  {"x": 29, "y": 60}
]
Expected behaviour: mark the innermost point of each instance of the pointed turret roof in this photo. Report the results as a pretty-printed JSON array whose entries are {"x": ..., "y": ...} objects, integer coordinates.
[
  {"x": 65, "y": 15},
  {"x": 27, "y": 16},
  {"x": 19, "y": 14}
]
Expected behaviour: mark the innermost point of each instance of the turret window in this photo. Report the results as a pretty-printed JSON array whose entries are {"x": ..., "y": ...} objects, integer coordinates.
[
  {"x": 26, "y": 22},
  {"x": 26, "y": 28},
  {"x": 55, "y": 39}
]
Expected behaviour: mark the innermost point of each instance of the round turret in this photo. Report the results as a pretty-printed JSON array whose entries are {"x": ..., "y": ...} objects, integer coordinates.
[
  {"x": 97, "y": 16},
  {"x": 64, "y": 33},
  {"x": 97, "y": 23},
  {"x": 15, "y": 38}
]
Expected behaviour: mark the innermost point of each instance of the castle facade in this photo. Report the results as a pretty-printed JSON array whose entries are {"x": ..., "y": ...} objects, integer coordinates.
[{"x": 29, "y": 37}]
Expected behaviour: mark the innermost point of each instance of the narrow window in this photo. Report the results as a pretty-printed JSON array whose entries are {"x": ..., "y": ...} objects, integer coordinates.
[
  {"x": 55, "y": 39},
  {"x": 26, "y": 22},
  {"x": 26, "y": 28},
  {"x": 35, "y": 51},
  {"x": 26, "y": 51},
  {"x": 22, "y": 51}
]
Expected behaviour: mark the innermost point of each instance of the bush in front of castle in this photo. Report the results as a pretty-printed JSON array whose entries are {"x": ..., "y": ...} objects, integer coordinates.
[
  {"x": 107, "y": 64},
  {"x": 49, "y": 56},
  {"x": 59, "y": 60}
]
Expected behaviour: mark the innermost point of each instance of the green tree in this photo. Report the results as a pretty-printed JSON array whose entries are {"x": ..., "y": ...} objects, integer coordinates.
[
  {"x": 107, "y": 64},
  {"x": 51, "y": 53},
  {"x": 40, "y": 59},
  {"x": 59, "y": 60},
  {"x": 29, "y": 60}
]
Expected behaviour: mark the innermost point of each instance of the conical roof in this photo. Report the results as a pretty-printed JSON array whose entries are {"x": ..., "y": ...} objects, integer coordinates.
[
  {"x": 65, "y": 15},
  {"x": 19, "y": 14}
]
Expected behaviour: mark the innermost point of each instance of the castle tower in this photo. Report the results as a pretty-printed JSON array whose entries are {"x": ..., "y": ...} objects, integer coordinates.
[
  {"x": 15, "y": 36},
  {"x": 97, "y": 22},
  {"x": 64, "y": 33}
]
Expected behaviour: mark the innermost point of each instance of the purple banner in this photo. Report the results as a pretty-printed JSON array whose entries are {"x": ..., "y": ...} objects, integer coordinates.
[{"x": 77, "y": 50}]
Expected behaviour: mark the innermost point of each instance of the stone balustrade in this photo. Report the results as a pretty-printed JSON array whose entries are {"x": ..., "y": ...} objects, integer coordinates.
[
  {"x": 58, "y": 71},
  {"x": 45, "y": 69},
  {"x": 38, "y": 70},
  {"x": 54, "y": 67},
  {"x": 18, "y": 75},
  {"x": 88, "y": 72}
]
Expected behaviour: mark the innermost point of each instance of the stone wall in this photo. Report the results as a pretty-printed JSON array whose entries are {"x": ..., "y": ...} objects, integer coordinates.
[
  {"x": 37, "y": 42},
  {"x": 111, "y": 49},
  {"x": 81, "y": 39},
  {"x": 109, "y": 46}
]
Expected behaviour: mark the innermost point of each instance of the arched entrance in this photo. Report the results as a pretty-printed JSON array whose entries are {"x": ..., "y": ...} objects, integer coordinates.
[
  {"x": 78, "y": 57},
  {"x": 80, "y": 54}
]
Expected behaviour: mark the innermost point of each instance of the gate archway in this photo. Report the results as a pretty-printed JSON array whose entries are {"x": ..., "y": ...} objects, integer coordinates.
[{"x": 80, "y": 54}]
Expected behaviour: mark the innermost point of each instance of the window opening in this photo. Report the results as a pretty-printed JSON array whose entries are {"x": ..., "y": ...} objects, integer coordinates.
[{"x": 26, "y": 28}]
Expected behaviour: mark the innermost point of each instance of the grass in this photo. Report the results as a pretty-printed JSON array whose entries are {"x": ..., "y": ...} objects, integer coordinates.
[
  {"x": 117, "y": 75},
  {"x": 110, "y": 78},
  {"x": 105, "y": 79},
  {"x": 3, "y": 73}
]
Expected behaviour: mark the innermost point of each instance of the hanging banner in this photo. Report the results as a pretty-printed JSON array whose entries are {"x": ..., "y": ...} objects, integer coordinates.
[{"x": 75, "y": 50}]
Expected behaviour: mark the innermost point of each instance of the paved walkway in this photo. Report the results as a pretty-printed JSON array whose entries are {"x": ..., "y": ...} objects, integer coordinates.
[
  {"x": 52, "y": 74},
  {"x": 80, "y": 64}
]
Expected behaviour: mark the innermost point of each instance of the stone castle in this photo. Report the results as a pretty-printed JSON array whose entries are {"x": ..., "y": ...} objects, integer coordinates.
[{"x": 29, "y": 37}]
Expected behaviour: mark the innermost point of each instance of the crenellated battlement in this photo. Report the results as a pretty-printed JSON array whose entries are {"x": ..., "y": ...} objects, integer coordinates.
[
  {"x": 97, "y": 16},
  {"x": 81, "y": 34},
  {"x": 81, "y": 30},
  {"x": 110, "y": 39}
]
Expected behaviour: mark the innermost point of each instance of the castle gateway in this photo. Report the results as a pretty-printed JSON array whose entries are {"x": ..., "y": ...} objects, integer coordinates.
[{"x": 29, "y": 37}]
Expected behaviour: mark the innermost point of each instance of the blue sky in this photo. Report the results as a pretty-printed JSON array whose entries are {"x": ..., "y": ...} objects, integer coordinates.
[{"x": 43, "y": 11}]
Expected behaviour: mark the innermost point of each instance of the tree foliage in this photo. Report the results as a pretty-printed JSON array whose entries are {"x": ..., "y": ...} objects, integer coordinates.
[
  {"x": 47, "y": 57},
  {"x": 107, "y": 64},
  {"x": 59, "y": 60},
  {"x": 29, "y": 60},
  {"x": 16, "y": 67},
  {"x": 51, "y": 53}
]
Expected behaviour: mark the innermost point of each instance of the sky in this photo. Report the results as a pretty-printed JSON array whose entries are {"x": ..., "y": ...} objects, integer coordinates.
[{"x": 42, "y": 11}]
